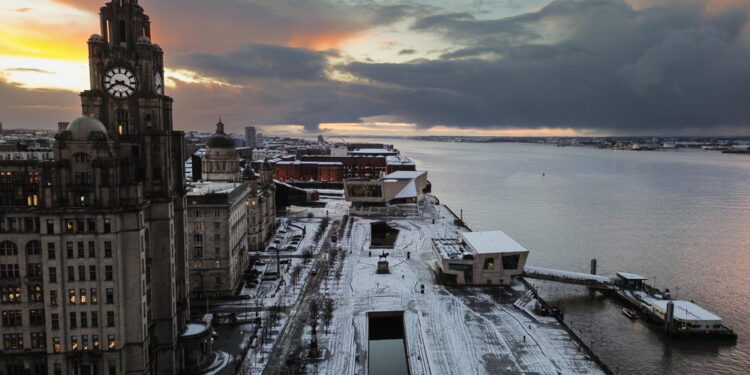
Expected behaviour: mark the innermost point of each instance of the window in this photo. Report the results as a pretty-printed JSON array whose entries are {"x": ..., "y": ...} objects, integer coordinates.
[
  {"x": 8, "y": 248},
  {"x": 36, "y": 293},
  {"x": 85, "y": 342},
  {"x": 93, "y": 296},
  {"x": 55, "y": 321},
  {"x": 53, "y": 298},
  {"x": 12, "y": 318},
  {"x": 52, "y": 274},
  {"x": 110, "y": 318},
  {"x": 56, "y": 344},
  {"x": 73, "y": 342},
  {"x": 36, "y": 317},
  {"x": 13, "y": 341},
  {"x": 69, "y": 225},
  {"x": 38, "y": 340},
  {"x": 9, "y": 271},
  {"x": 72, "y": 296},
  {"x": 71, "y": 273},
  {"x": 110, "y": 296},
  {"x": 51, "y": 250},
  {"x": 92, "y": 249},
  {"x": 510, "y": 262},
  {"x": 489, "y": 264},
  {"x": 34, "y": 248},
  {"x": 198, "y": 251},
  {"x": 94, "y": 319},
  {"x": 91, "y": 225},
  {"x": 73, "y": 323},
  {"x": 10, "y": 294},
  {"x": 84, "y": 319},
  {"x": 81, "y": 273},
  {"x": 82, "y": 297},
  {"x": 34, "y": 271},
  {"x": 69, "y": 248},
  {"x": 108, "y": 272},
  {"x": 92, "y": 273},
  {"x": 197, "y": 238},
  {"x": 81, "y": 250},
  {"x": 108, "y": 249},
  {"x": 50, "y": 226},
  {"x": 198, "y": 227},
  {"x": 111, "y": 343},
  {"x": 217, "y": 236},
  {"x": 107, "y": 225},
  {"x": 217, "y": 225},
  {"x": 95, "y": 341}
]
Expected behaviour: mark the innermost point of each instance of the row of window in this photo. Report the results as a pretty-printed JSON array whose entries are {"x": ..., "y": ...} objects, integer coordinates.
[
  {"x": 19, "y": 224},
  {"x": 79, "y": 249},
  {"x": 12, "y": 318},
  {"x": 108, "y": 273},
  {"x": 13, "y": 341},
  {"x": 82, "y": 298},
  {"x": 83, "y": 322}
]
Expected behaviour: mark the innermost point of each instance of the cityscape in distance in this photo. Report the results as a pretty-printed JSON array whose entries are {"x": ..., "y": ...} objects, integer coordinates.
[{"x": 374, "y": 187}]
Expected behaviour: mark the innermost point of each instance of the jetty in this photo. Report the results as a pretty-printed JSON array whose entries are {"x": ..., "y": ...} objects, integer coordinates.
[{"x": 680, "y": 318}]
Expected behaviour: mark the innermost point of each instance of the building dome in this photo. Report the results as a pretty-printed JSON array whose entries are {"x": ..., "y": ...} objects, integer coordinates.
[
  {"x": 96, "y": 38},
  {"x": 220, "y": 139},
  {"x": 143, "y": 40},
  {"x": 81, "y": 128}
]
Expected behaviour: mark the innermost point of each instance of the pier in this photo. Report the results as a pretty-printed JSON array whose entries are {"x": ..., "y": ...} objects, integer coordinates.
[{"x": 681, "y": 319}]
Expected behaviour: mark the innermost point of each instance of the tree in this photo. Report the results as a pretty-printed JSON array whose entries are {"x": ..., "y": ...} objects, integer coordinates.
[
  {"x": 314, "y": 313},
  {"x": 328, "y": 307}
]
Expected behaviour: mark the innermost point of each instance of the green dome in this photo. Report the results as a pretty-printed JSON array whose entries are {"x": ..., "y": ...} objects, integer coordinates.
[{"x": 81, "y": 128}]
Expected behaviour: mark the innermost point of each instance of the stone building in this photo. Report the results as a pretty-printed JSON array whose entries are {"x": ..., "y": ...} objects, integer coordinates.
[
  {"x": 218, "y": 208},
  {"x": 221, "y": 162},
  {"x": 93, "y": 271}
]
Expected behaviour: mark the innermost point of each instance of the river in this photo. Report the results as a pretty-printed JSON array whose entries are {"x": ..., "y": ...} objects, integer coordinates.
[{"x": 680, "y": 218}]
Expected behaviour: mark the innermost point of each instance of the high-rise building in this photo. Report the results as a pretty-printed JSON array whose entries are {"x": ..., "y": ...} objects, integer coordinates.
[
  {"x": 94, "y": 272},
  {"x": 250, "y": 137}
]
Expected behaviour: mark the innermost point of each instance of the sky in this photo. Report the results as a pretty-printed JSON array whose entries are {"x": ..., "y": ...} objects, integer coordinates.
[{"x": 407, "y": 67}]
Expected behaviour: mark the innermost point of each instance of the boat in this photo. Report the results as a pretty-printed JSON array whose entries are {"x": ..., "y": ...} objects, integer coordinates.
[{"x": 631, "y": 314}]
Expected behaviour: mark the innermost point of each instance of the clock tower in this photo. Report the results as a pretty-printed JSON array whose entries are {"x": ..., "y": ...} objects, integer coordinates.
[{"x": 127, "y": 96}]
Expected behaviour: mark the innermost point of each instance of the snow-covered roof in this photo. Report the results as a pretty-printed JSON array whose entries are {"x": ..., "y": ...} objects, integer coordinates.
[
  {"x": 193, "y": 329},
  {"x": 566, "y": 274},
  {"x": 492, "y": 242},
  {"x": 404, "y": 175},
  {"x": 409, "y": 191},
  {"x": 398, "y": 160},
  {"x": 631, "y": 276},
  {"x": 687, "y": 311}
]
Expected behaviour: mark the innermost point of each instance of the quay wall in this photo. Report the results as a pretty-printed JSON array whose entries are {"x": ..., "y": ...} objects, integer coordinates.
[{"x": 544, "y": 303}]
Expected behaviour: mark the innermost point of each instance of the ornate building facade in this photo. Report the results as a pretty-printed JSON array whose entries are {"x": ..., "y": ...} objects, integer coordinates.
[
  {"x": 93, "y": 269},
  {"x": 218, "y": 208}
]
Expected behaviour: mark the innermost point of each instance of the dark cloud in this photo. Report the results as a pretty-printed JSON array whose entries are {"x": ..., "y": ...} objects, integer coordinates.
[
  {"x": 405, "y": 52},
  {"x": 32, "y": 109},
  {"x": 256, "y": 61},
  {"x": 594, "y": 64}
]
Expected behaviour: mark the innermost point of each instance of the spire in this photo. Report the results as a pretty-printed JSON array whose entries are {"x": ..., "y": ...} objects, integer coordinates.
[{"x": 220, "y": 127}]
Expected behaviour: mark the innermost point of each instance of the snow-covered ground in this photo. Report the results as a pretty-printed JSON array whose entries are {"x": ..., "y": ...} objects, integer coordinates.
[{"x": 448, "y": 330}]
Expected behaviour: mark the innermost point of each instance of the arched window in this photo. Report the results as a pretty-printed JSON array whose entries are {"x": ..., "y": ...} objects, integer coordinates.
[
  {"x": 8, "y": 248},
  {"x": 34, "y": 247}
]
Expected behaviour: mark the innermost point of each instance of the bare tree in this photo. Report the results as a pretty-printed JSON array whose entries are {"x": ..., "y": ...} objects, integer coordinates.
[
  {"x": 314, "y": 313},
  {"x": 328, "y": 307}
]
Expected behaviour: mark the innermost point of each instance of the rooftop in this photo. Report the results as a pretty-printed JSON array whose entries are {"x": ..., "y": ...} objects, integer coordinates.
[
  {"x": 404, "y": 175},
  {"x": 688, "y": 311},
  {"x": 492, "y": 242},
  {"x": 631, "y": 276}
]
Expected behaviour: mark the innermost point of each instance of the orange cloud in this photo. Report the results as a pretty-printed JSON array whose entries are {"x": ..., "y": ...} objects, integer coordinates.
[{"x": 323, "y": 40}]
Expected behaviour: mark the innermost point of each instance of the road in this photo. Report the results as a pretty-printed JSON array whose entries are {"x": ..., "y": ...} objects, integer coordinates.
[{"x": 289, "y": 338}]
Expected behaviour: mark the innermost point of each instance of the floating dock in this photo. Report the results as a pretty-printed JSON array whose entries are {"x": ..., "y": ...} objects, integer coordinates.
[{"x": 681, "y": 319}]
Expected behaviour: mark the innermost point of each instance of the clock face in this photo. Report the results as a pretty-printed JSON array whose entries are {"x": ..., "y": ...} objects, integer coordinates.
[
  {"x": 159, "y": 84},
  {"x": 120, "y": 83}
]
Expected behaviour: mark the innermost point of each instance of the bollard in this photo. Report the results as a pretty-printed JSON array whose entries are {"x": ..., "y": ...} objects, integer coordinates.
[
  {"x": 422, "y": 288},
  {"x": 408, "y": 255}
]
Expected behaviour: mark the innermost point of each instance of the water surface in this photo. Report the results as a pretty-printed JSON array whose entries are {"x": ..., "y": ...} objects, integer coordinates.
[{"x": 682, "y": 219}]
